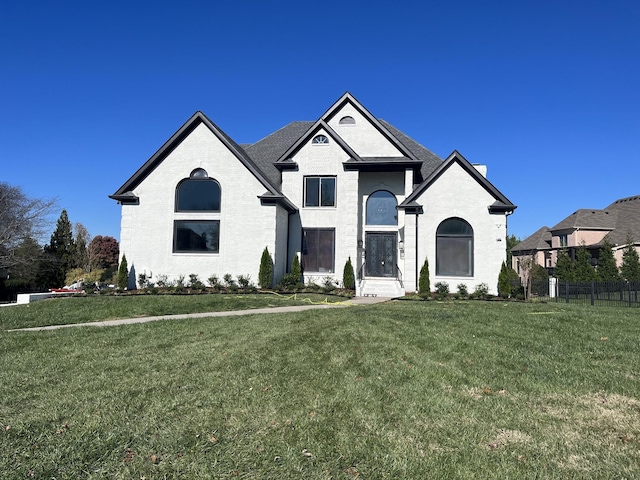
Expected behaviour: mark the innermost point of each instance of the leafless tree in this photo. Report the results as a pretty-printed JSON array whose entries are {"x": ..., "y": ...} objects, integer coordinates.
[{"x": 21, "y": 218}]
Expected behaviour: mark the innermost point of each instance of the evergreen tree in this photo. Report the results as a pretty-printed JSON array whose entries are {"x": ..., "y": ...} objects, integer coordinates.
[
  {"x": 348, "y": 277},
  {"x": 512, "y": 241},
  {"x": 424, "y": 283},
  {"x": 60, "y": 251},
  {"x": 123, "y": 274},
  {"x": 583, "y": 271},
  {"x": 630, "y": 268},
  {"x": 265, "y": 274},
  {"x": 296, "y": 269},
  {"x": 504, "y": 281},
  {"x": 607, "y": 267},
  {"x": 565, "y": 269}
]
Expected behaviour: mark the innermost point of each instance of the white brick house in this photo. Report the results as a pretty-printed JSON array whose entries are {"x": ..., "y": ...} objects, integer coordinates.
[{"x": 347, "y": 185}]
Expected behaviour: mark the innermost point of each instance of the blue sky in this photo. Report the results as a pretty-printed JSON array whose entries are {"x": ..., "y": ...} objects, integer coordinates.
[{"x": 545, "y": 93}]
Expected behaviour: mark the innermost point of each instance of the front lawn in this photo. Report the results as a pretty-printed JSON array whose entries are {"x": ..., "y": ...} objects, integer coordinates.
[
  {"x": 94, "y": 308},
  {"x": 396, "y": 390}
]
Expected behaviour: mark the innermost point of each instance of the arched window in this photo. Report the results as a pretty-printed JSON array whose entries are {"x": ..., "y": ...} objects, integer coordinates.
[
  {"x": 198, "y": 194},
  {"x": 381, "y": 208},
  {"x": 320, "y": 140},
  {"x": 454, "y": 248},
  {"x": 348, "y": 120}
]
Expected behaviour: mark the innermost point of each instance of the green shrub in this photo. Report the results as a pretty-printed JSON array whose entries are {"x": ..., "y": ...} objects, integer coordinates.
[
  {"x": 424, "y": 284},
  {"x": 442, "y": 289},
  {"x": 214, "y": 281},
  {"x": 265, "y": 274},
  {"x": 481, "y": 291},
  {"x": 348, "y": 277},
  {"x": 123, "y": 274},
  {"x": 296, "y": 269},
  {"x": 504, "y": 281},
  {"x": 244, "y": 281},
  {"x": 195, "y": 282},
  {"x": 462, "y": 290}
]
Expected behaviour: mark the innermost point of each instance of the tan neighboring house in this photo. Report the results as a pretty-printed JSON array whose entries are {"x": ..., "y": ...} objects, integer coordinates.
[{"x": 588, "y": 226}]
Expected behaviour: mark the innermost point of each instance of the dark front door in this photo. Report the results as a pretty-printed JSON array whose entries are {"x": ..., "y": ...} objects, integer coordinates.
[{"x": 380, "y": 255}]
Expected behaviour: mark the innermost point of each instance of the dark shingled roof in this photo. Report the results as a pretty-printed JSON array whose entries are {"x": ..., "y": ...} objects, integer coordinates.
[
  {"x": 588, "y": 219},
  {"x": 540, "y": 240},
  {"x": 628, "y": 220},
  {"x": 271, "y": 147},
  {"x": 430, "y": 161}
]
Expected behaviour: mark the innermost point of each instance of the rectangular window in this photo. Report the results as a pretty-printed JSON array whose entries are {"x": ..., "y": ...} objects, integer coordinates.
[
  {"x": 563, "y": 241},
  {"x": 196, "y": 236},
  {"x": 318, "y": 247},
  {"x": 320, "y": 191}
]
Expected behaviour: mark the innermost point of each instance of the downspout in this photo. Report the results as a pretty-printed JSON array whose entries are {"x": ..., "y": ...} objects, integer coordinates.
[{"x": 417, "y": 261}]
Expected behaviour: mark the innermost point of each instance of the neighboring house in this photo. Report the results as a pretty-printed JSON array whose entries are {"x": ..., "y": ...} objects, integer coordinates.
[
  {"x": 346, "y": 185},
  {"x": 591, "y": 227}
]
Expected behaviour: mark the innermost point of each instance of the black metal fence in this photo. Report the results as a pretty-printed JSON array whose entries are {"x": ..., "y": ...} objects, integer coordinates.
[{"x": 615, "y": 294}]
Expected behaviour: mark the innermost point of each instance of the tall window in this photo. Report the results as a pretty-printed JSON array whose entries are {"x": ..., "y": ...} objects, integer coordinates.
[
  {"x": 320, "y": 191},
  {"x": 200, "y": 194},
  {"x": 454, "y": 248},
  {"x": 381, "y": 208},
  {"x": 318, "y": 247}
]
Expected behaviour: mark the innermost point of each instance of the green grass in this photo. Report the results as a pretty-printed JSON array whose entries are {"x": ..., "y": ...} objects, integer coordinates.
[
  {"x": 398, "y": 390},
  {"x": 82, "y": 309}
]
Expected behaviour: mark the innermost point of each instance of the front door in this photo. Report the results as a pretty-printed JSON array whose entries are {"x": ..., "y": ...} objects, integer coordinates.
[{"x": 380, "y": 254}]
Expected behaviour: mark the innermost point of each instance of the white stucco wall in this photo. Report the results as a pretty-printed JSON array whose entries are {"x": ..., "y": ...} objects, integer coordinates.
[
  {"x": 456, "y": 194},
  {"x": 246, "y": 227},
  {"x": 362, "y": 136}
]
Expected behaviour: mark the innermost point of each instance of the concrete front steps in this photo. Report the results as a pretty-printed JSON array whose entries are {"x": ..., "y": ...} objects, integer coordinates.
[{"x": 379, "y": 287}]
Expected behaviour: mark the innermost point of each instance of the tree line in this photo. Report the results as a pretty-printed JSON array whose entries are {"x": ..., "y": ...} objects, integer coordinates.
[{"x": 70, "y": 255}]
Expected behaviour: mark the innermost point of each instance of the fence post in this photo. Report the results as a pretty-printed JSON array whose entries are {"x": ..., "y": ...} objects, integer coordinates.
[
  {"x": 566, "y": 291},
  {"x": 593, "y": 286},
  {"x": 629, "y": 283}
]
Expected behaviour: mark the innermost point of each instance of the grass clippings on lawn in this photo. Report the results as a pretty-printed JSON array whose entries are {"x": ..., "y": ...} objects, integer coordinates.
[{"x": 398, "y": 390}]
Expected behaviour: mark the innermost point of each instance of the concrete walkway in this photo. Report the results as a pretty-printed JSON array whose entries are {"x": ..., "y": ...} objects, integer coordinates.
[{"x": 232, "y": 313}]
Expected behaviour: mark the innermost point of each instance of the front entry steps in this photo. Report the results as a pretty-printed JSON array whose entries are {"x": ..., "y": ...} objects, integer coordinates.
[{"x": 379, "y": 287}]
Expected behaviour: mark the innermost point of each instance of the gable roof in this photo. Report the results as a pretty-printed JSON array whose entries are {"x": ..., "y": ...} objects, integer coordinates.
[
  {"x": 502, "y": 203},
  {"x": 125, "y": 193},
  {"x": 540, "y": 240},
  {"x": 285, "y": 161}
]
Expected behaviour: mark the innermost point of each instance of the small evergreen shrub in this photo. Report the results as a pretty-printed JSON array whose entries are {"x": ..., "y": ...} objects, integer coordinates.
[
  {"x": 123, "y": 274},
  {"x": 504, "y": 281},
  {"x": 348, "y": 277},
  {"x": 214, "y": 282},
  {"x": 481, "y": 291},
  {"x": 265, "y": 274},
  {"x": 462, "y": 290},
  {"x": 424, "y": 284},
  {"x": 442, "y": 289},
  {"x": 244, "y": 281},
  {"x": 296, "y": 269},
  {"x": 195, "y": 282},
  {"x": 229, "y": 282}
]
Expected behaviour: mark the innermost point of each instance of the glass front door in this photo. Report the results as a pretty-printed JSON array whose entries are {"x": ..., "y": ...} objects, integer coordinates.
[{"x": 380, "y": 255}]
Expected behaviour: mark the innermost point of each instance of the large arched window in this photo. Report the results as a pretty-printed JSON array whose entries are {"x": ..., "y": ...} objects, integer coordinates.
[
  {"x": 454, "y": 248},
  {"x": 381, "y": 208},
  {"x": 198, "y": 193}
]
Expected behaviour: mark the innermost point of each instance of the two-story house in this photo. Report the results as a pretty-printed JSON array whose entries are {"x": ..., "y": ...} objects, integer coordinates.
[{"x": 348, "y": 185}]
